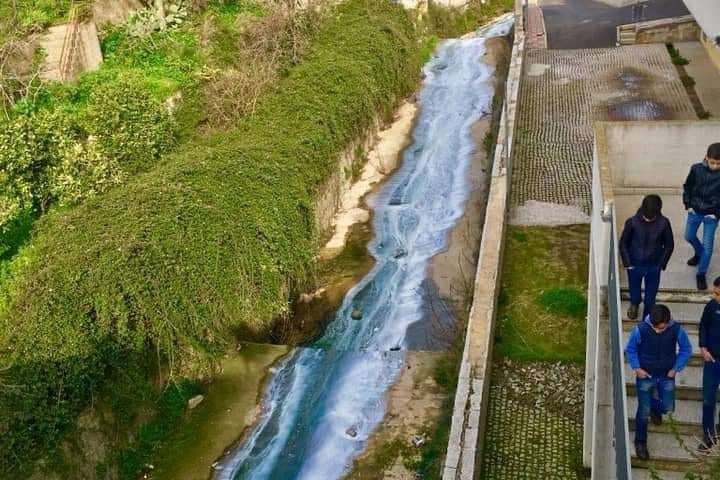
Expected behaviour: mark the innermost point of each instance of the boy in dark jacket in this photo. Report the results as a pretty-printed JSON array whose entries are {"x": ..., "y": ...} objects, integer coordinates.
[
  {"x": 658, "y": 348},
  {"x": 646, "y": 245},
  {"x": 701, "y": 197},
  {"x": 710, "y": 349}
]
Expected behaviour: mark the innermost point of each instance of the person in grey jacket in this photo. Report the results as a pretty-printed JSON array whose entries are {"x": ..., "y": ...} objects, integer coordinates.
[
  {"x": 701, "y": 197},
  {"x": 646, "y": 244}
]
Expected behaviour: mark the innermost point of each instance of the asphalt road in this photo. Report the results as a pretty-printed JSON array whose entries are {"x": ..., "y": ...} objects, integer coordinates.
[{"x": 591, "y": 24}]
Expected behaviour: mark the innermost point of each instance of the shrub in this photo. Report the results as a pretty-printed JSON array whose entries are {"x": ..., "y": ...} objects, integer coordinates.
[
  {"x": 214, "y": 240},
  {"x": 131, "y": 128}
]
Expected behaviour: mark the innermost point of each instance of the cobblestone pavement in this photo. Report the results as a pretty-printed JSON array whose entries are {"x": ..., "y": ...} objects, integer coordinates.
[
  {"x": 556, "y": 387},
  {"x": 526, "y": 443},
  {"x": 564, "y": 91}
]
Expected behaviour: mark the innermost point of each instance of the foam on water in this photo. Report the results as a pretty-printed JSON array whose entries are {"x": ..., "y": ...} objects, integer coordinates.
[{"x": 323, "y": 402}]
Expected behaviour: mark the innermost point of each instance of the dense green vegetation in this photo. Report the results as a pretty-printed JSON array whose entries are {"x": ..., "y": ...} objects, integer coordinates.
[
  {"x": 215, "y": 238},
  {"x": 31, "y": 15},
  {"x": 542, "y": 316},
  {"x": 452, "y": 22}
]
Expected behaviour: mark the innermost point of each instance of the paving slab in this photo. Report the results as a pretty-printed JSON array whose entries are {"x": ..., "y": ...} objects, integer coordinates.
[{"x": 666, "y": 447}]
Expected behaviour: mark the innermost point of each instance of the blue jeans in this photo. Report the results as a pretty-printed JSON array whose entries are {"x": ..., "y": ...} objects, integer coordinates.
[
  {"x": 702, "y": 250},
  {"x": 665, "y": 403},
  {"x": 711, "y": 380},
  {"x": 652, "y": 282}
]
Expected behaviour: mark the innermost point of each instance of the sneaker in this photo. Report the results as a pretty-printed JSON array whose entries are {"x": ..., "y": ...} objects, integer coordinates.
[
  {"x": 632, "y": 312},
  {"x": 693, "y": 261},
  {"x": 701, "y": 282},
  {"x": 656, "y": 418},
  {"x": 641, "y": 451}
]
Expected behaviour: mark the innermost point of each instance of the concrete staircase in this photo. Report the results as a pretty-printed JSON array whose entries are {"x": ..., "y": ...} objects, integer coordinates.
[
  {"x": 627, "y": 34},
  {"x": 672, "y": 454},
  {"x": 70, "y": 49}
]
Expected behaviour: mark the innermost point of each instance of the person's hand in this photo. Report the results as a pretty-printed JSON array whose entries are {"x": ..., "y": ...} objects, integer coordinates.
[
  {"x": 642, "y": 373},
  {"x": 691, "y": 210},
  {"x": 707, "y": 356},
  {"x": 630, "y": 267},
  {"x": 710, "y": 215},
  {"x": 671, "y": 373}
]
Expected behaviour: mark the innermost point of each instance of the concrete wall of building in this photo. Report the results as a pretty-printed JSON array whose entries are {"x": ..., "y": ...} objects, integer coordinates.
[
  {"x": 618, "y": 3},
  {"x": 712, "y": 49},
  {"x": 655, "y": 154},
  {"x": 678, "y": 29}
]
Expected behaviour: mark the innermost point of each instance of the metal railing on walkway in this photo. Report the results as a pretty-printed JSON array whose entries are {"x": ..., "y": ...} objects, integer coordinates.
[
  {"x": 68, "y": 56},
  {"x": 617, "y": 362}
]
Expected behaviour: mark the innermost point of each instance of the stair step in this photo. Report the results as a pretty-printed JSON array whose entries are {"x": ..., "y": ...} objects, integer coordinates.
[
  {"x": 675, "y": 295},
  {"x": 690, "y": 327},
  {"x": 681, "y": 312},
  {"x": 687, "y": 412},
  {"x": 695, "y": 358},
  {"x": 667, "y": 448},
  {"x": 644, "y": 474},
  {"x": 688, "y": 384}
]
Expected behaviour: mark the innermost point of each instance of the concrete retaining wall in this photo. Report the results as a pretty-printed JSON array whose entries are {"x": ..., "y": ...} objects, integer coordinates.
[
  {"x": 465, "y": 446},
  {"x": 666, "y": 149}
]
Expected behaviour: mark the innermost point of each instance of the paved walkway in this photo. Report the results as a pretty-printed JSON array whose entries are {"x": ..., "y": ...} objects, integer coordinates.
[
  {"x": 591, "y": 24},
  {"x": 706, "y": 75},
  {"x": 564, "y": 91},
  {"x": 536, "y": 37}
]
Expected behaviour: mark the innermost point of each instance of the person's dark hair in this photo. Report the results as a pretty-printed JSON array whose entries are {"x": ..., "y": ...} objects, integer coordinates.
[
  {"x": 714, "y": 151},
  {"x": 716, "y": 282},
  {"x": 659, "y": 314},
  {"x": 651, "y": 206}
]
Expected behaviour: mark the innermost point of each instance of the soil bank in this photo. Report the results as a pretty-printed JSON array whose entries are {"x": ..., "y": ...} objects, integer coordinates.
[{"x": 231, "y": 404}]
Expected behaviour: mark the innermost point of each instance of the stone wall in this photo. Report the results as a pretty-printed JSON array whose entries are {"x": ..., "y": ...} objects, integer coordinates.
[
  {"x": 678, "y": 29},
  {"x": 472, "y": 398}
]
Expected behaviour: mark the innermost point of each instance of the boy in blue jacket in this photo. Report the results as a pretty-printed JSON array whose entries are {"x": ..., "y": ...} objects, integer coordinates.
[
  {"x": 658, "y": 348},
  {"x": 710, "y": 349}
]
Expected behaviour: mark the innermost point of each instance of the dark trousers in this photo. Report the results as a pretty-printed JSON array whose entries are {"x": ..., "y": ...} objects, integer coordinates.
[
  {"x": 636, "y": 275},
  {"x": 711, "y": 380}
]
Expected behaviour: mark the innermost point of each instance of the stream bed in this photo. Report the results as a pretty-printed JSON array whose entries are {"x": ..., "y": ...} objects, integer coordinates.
[{"x": 324, "y": 400}]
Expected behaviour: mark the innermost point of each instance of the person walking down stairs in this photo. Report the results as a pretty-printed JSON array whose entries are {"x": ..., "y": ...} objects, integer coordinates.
[
  {"x": 658, "y": 349},
  {"x": 709, "y": 341},
  {"x": 701, "y": 197},
  {"x": 646, "y": 245}
]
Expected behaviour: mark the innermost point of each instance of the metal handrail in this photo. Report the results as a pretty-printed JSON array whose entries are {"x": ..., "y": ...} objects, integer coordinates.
[
  {"x": 617, "y": 361},
  {"x": 72, "y": 34}
]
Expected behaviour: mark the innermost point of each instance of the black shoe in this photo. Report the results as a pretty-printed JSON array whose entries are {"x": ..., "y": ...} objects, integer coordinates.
[
  {"x": 693, "y": 261},
  {"x": 706, "y": 445},
  {"x": 656, "y": 418},
  {"x": 632, "y": 312},
  {"x": 641, "y": 451},
  {"x": 701, "y": 282}
]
